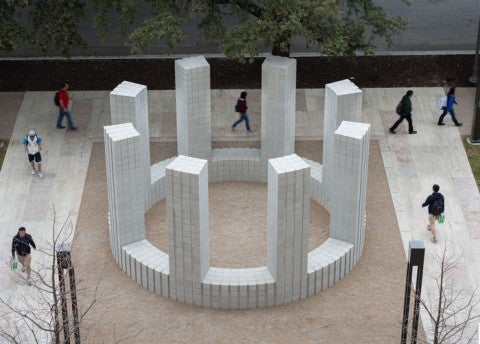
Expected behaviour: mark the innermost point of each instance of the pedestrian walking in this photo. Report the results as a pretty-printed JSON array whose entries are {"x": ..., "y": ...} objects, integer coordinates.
[
  {"x": 404, "y": 109},
  {"x": 436, "y": 206},
  {"x": 241, "y": 108},
  {"x": 21, "y": 246},
  {"x": 449, "y": 108},
  {"x": 64, "y": 101},
  {"x": 33, "y": 146}
]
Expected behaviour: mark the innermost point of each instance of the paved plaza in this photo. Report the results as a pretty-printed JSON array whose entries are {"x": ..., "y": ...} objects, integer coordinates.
[{"x": 413, "y": 163}]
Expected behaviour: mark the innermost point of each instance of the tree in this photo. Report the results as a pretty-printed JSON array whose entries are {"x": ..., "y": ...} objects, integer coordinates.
[
  {"x": 453, "y": 311},
  {"x": 239, "y": 27},
  {"x": 49, "y": 25}
]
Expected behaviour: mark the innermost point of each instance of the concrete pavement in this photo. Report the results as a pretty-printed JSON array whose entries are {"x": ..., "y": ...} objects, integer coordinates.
[{"x": 412, "y": 164}]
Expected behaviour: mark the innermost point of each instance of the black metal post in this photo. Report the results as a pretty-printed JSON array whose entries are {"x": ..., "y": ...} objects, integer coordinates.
[
  {"x": 64, "y": 261},
  {"x": 416, "y": 255},
  {"x": 73, "y": 294},
  {"x": 63, "y": 298},
  {"x": 475, "y": 137},
  {"x": 416, "y": 306},
  {"x": 474, "y": 78},
  {"x": 406, "y": 303}
]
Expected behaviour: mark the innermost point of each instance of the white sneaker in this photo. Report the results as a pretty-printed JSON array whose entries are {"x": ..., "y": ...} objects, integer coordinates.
[
  {"x": 23, "y": 269},
  {"x": 40, "y": 175},
  {"x": 29, "y": 281},
  {"x": 34, "y": 172}
]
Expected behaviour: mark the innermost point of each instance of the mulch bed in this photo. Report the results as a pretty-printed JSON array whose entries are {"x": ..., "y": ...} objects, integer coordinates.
[{"x": 312, "y": 72}]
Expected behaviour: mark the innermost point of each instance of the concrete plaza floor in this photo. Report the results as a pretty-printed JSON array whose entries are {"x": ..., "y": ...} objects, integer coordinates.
[{"x": 413, "y": 163}]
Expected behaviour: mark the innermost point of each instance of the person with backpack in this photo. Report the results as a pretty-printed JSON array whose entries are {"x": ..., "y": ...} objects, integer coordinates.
[
  {"x": 21, "y": 246},
  {"x": 62, "y": 99},
  {"x": 448, "y": 108},
  {"x": 404, "y": 109},
  {"x": 436, "y": 206},
  {"x": 33, "y": 146},
  {"x": 241, "y": 107}
]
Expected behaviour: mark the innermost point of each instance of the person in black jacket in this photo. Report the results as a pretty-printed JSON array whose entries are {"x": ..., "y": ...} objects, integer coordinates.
[
  {"x": 21, "y": 245},
  {"x": 405, "y": 113},
  {"x": 436, "y": 206}
]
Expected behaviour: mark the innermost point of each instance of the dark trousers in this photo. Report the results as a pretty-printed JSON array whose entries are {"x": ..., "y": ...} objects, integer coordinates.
[
  {"x": 452, "y": 113},
  {"x": 408, "y": 117}
]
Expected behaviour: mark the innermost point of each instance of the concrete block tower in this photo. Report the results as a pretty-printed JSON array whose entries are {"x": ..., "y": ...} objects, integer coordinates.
[
  {"x": 129, "y": 104},
  {"x": 194, "y": 122},
  {"x": 343, "y": 102},
  {"x": 187, "y": 216},
  {"x": 287, "y": 226},
  {"x": 126, "y": 195},
  {"x": 279, "y": 77},
  {"x": 351, "y": 151}
]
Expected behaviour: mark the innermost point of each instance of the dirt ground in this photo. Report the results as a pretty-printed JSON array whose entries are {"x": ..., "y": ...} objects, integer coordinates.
[
  {"x": 312, "y": 72},
  {"x": 365, "y": 307}
]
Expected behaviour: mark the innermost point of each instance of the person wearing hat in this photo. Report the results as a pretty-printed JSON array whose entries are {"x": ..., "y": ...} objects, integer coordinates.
[{"x": 33, "y": 146}]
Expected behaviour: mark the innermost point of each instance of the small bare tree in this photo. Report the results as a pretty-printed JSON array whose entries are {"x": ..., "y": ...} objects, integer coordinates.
[
  {"x": 41, "y": 314},
  {"x": 454, "y": 311}
]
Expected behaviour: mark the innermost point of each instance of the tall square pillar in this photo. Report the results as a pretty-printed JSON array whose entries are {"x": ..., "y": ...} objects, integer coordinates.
[
  {"x": 194, "y": 123},
  {"x": 279, "y": 77},
  {"x": 129, "y": 104},
  {"x": 343, "y": 102},
  {"x": 126, "y": 199},
  {"x": 288, "y": 225},
  {"x": 349, "y": 186},
  {"x": 187, "y": 215}
]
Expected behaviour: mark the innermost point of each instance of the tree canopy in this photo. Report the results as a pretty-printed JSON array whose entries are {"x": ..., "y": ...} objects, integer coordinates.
[{"x": 241, "y": 28}]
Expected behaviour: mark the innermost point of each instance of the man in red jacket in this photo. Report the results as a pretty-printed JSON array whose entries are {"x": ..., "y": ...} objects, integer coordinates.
[
  {"x": 242, "y": 109},
  {"x": 64, "y": 99}
]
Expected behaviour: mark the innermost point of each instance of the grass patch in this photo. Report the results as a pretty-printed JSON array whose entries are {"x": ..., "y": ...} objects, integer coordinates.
[
  {"x": 3, "y": 150},
  {"x": 473, "y": 154}
]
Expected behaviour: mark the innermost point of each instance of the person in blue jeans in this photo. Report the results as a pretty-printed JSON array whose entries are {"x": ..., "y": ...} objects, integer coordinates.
[
  {"x": 242, "y": 109},
  {"x": 64, "y": 100},
  {"x": 449, "y": 108}
]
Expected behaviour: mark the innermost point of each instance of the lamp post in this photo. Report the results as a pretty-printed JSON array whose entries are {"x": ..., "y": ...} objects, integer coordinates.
[
  {"x": 474, "y": 78},
  {"x": 65, "y": 262},
  {"x": 416, "y": 256}
]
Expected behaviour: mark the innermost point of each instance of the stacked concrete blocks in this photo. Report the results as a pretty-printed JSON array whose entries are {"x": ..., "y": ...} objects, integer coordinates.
[
  {"x": 129, "y": 104},
  {"x": 192, "y": 83},
  {"x": 240, "y": 164},
  {"x": 292, "y": 273},
  {"x": 157, "y": 185},
  {"x": 238, "y": 288},
  {"x": 348, "y": 203},
  {"x": 187, "y": 216},
  {"x": 287, "y": 226},
  {"x": 279, "y": 76},
  {"x": 126, "y": 194},
  {"x": 343, "y": 102},
  {"x": 328, "y": 263},
  {"x": 147, "y": 265}
]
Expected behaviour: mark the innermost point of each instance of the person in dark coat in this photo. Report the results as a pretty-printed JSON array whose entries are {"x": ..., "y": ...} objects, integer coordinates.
[
  {"x": 21, "y": 246},
  {"x": 405, "y": 113},
  {"x": 436, "y": 199},
  {"x": 449, "y": 108}
]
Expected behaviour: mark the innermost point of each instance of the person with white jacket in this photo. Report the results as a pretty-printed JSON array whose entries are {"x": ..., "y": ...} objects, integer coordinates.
[{"x": 33, "y": 146}]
